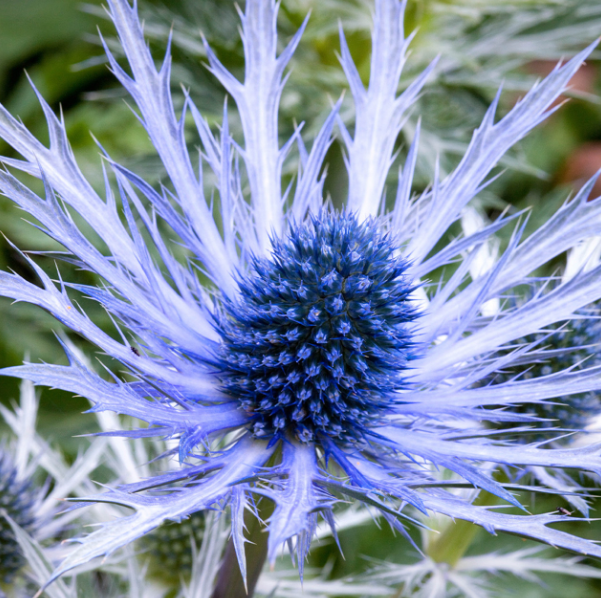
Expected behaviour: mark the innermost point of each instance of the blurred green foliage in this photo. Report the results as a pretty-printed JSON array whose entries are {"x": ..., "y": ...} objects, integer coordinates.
[{"x": 46, "y": 40}]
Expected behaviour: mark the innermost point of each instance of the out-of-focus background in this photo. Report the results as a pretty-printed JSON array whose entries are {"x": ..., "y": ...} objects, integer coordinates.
[{"x": 481, "y": 43}]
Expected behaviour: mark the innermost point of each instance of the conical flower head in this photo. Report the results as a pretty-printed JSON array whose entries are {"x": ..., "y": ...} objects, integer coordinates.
[
  {"x": 317, "y": 362},
  {"x": 317, "y": 342}
]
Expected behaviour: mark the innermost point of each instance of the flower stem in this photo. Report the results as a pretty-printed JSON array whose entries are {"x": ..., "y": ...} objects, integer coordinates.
[
  {"x": 229, "y": 581},
  {"x": 450, "y": 546},
  {"x": 453, "y": 542}
]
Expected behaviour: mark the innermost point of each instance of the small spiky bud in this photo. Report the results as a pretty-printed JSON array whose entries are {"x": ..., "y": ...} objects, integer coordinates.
[{"x": 169, "y": 547}]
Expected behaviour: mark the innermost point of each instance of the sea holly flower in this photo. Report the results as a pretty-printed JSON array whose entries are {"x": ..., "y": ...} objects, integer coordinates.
[
  {"x": 34, "y": 478},
  {"x": 316, "y": 362},
  {"x": 560, "y": 347},
  {"x": 563, "y": 346}
]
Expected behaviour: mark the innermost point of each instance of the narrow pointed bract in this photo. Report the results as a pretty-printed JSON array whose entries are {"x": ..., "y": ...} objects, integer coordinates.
[{"x": 311, "y": 360}]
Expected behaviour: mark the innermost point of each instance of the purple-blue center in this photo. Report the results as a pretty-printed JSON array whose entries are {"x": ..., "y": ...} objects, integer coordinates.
[{"x": 318, "y": 343}]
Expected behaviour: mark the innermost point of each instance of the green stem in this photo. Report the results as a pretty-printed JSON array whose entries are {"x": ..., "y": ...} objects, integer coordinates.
[
  {"x": 229, "y": 581},
  {"x": 453, "y": 542},
  {"x": 450, "y": 545}
]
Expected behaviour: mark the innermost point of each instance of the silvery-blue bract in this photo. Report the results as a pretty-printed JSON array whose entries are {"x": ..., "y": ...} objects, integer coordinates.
[{"x": 317, "y": 362}]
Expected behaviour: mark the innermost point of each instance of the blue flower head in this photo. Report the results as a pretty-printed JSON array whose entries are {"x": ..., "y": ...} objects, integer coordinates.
[
  {"x": 317, "y": 342},
  {"x": 316, "y": 362}
]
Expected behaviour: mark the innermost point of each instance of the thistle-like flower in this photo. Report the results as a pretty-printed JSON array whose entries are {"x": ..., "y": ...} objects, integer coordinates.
[
  {"x": 565, "y": 347},
  {"x": 299, "y": 354},
  {"x": 30, "y": 514}
]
